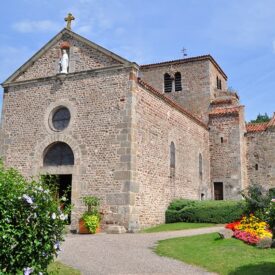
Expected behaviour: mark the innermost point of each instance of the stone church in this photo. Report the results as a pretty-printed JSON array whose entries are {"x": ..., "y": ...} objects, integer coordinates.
[{"x": 137, "y": 136}]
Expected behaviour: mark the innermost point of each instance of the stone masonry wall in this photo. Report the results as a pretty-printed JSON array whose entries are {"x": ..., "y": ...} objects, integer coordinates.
[
  {"x": 227, "y": 157},
  {"x": 199, "y": 84},
  {"x": 81, "y": 58},
  {"x": 195, "y": 94},
  {"x": 98, "y": 133},
  {"x": 214, "y": 73},
  {"x": 261, "y": 151},
  {"x": 157, "y": 125}
]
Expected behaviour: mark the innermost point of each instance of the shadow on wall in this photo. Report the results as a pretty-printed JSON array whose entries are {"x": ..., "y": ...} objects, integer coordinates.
[{"x": 255, "y": 269}]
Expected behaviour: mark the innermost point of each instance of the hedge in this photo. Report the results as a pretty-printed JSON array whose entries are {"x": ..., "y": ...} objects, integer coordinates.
[{"x": 204, "y": 211}]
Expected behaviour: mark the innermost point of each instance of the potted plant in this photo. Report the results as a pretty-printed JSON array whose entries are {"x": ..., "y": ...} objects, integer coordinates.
[{"x": 90, "y": 220}]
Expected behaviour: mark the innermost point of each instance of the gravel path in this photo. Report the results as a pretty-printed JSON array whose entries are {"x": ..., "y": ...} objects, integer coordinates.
[{"x": 106, "y": 254}]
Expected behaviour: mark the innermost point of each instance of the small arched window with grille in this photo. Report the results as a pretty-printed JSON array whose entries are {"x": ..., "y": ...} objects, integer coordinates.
[
  {"x": 58, "y": 153},
  {"x": 178, "y": 86},
  {"x": 200, "y": 166},
  {"x": 168, "y": 81}
]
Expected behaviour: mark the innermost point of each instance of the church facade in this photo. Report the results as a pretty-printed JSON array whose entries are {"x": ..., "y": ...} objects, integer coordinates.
[{"x": 135, "y": 136}]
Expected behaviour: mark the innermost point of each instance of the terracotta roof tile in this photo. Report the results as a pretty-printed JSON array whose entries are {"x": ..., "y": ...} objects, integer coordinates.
[
  {"x": 221, "y": 101},
  {"x": 171, "y": 102},
  {"x": 256, "y": 127},
  {"x": 225, "y": 111},
  {"x": 186, "y": 60}
]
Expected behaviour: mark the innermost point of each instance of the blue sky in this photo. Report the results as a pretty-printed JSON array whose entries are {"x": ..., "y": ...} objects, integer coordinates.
[{"x": 239, "y": 34}]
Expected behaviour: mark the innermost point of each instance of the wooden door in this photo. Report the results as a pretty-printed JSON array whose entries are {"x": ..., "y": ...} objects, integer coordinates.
[{"x": 218, "y": 190}]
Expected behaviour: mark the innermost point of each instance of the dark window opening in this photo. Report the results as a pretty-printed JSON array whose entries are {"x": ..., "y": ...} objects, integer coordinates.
[
  {"x": 218, "y": 190},
  {"x": 200, "y": 166},
  {"x": 61, "y": 118},
  {"x": 172, "y": 159},
  {"x": 58, "y": 154},
  {"x": 256, "y": 167},
  {"x": 219, "y": 83},
  {"x": 221, "y": 139},
  {"x": 272, "y": 192},
  {"x": 178, "y": 86},
  {"x": 168, "y": 81},
  {"x": 202, "y": 196}
]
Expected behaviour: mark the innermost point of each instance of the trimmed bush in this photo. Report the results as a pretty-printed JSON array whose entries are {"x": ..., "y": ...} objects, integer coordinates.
[
  {"x": 31, "y": 224},
  {"x": 205, "y": 211}
]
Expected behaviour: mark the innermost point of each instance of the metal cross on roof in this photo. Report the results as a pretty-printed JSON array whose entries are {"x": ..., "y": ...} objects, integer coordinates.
[
  {"x": 184, "y": 52},
  {"x": 69, "y": 20}
]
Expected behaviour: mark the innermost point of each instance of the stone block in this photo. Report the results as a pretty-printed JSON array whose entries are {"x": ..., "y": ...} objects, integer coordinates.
[
  {"x": 115, "y": 229},
  {"x": 118, "y": 199},
  {"x": 225, "y": 233},
  {"x": 130, "y": 186},
  {"x": 122, "y": 175}
]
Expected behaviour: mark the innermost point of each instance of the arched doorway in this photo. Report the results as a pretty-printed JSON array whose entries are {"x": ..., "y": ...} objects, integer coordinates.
[{"x": 59, "y": 156}]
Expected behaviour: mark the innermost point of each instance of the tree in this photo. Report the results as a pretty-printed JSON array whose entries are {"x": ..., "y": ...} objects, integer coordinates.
[{"x": 261, "y": 118}]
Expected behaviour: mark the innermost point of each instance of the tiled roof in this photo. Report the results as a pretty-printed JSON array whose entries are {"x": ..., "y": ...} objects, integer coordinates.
[
  {"x": 186, "y": 60},
  {"x": 260, "y": 127},
  {"x": 225, "y": 111},
  {"x": 221, "y": 101},
  {"x": 256, "y": 127},
  {"x": 271, "y": 123},
  {"x": 171, "y": 102}
]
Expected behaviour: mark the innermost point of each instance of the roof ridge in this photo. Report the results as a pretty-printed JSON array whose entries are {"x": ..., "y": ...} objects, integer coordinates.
[
  {"x": 54, "y": 39},
  {"x": 185, "y": 60},
  {"x": 171, "y": 102}
]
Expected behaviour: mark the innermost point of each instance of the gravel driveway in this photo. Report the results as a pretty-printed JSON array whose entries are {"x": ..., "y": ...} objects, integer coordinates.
[{"x": 125, "y": 253}]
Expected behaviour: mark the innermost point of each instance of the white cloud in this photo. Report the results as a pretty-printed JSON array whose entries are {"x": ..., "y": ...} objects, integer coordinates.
[{"x": 28, "y": 26}]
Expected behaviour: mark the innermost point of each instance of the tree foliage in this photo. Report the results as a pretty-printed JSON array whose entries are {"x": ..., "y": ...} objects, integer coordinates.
[{"x": 261, "y": 118}]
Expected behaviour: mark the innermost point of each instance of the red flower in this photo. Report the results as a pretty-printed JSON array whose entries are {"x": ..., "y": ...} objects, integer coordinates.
[{"x": 232, "y": 225}]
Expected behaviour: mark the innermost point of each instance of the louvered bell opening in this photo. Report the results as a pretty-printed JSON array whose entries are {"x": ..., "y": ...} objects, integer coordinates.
[
  {"x": 167, "y": 83},
  {"x": 178, "y": 82}
]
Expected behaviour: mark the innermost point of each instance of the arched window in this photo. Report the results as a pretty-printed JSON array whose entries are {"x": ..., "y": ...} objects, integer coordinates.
[
  {"x": 200, "y": 166},
  {"x": 178, "y": 82},
  {"x": 172, "y": 159},
  {"x": 167, "y": 83},
  {"x": 57, "y": 154},
  {"x": 172, "y": 155}
]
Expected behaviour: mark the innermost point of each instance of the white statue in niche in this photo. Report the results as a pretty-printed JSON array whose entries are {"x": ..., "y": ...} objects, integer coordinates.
[{"x": 64, "y": 62}]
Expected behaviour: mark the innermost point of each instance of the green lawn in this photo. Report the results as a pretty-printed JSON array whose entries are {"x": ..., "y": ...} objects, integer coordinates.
[
  {"x": 226, "y": 257},
  {"x": 176, "y": 226},
  {"x": 58, "y": 268}
]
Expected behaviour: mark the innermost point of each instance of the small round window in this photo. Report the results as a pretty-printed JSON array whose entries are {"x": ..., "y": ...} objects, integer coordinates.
[{"x": 61, "y": 118}]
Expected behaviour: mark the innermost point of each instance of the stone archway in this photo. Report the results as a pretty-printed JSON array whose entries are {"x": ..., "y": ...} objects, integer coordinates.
[{"x": 67, "y": 164}]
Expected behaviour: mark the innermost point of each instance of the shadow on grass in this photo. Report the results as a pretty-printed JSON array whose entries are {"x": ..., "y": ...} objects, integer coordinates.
[{"x": 255, "y": 269}]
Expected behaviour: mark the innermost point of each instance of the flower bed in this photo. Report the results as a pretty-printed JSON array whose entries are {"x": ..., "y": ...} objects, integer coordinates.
[{"x": 250, "y": 229}]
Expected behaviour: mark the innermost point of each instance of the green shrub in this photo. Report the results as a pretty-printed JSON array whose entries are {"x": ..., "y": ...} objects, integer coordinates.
[
  {"x": 180, "y": 204},
  {"x": 206, "y": 211},
  {"x": 257, "y": 201},
  {"x": 91, "y": 222},
  {"x": 31, "y": 224}
]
